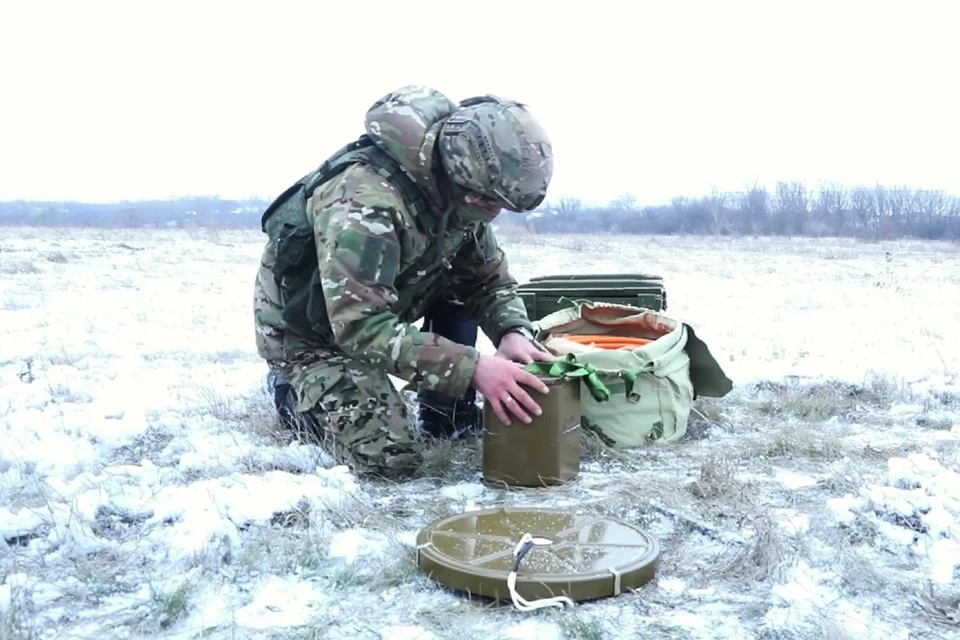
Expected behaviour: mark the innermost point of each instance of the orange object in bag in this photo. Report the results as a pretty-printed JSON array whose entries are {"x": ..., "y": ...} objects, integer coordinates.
[{"x": 603, "y": 341}]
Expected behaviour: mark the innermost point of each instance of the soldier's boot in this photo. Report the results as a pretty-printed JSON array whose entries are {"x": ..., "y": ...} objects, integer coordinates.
[
  {"x": 449, "y": 418},
  {"x": 442, "y": 416},
  {"x": 301, "y": 426}
]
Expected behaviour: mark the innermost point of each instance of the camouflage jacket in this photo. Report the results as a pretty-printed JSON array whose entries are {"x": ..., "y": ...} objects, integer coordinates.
[{"x": 375, "y": 264}]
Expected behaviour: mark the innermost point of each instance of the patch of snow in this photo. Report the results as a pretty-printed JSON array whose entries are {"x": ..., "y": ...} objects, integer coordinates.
[
  {"x": 281, "y": 602},
  {"x": 706, "y": 623},
  {"x": 205, "y": 515},
  {"x": 10, "y": 590},
  {"x": 295, "y": 458},
  {"x": 22, "y": 590},
  {"x": 905, "y": 409},
  {"x": 184, "y": 520},
  {"x": 844, "y": 508},
  {"x": 408, "y": 538},
  {"x": 672, "y": 585},
  {"x": 23, "y": 522},
  {"x": 352, "y": 544},
  {"x": 811, "y": 596},
  {"x": 918, "y": 510},
  {"x": 463, "y": 491},
  {"x": 792, "y": 521},
  {"x": 467, "y": 494},
  {"x": 406, "y": 632},
  {"x": 792, "y": 480},
  {"x": 203, "y": 451},
  {"x": 39, "y": 439},
  {"x": 532, "y": 630}
]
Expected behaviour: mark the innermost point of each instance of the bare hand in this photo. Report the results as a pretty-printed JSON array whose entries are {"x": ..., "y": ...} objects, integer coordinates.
[
  {"x": 514, "y": 346},
  {"x": 500, "y": 380}
]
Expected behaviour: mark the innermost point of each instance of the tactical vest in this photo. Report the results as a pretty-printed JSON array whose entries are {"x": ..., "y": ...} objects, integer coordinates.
[{"x": 295, "y": 271}]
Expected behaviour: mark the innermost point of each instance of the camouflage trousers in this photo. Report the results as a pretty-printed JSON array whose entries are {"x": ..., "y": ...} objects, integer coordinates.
[
  {"x": 357, "y": 414},
  {"x": 354, "y": 412}
]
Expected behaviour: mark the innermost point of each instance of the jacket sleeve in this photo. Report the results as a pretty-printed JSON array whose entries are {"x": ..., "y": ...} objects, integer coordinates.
[
  {"x": 359, "y": 255},
  {"x": 487, "y": 288}
]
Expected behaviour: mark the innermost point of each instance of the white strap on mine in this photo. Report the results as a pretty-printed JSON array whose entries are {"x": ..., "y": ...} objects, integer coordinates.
[
  {"x": 616, "y": 580},
  {"x": 518, "y": 601}
]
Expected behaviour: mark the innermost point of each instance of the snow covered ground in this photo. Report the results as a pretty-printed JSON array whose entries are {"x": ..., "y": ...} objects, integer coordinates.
[{"x": 143, "y": 492}]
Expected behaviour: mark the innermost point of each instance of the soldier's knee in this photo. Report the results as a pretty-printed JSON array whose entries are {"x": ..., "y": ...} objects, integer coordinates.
[
  {"x": 392, "y": 464},
  {"x": 393, "y": 455},
  {"x": 371, "y": 430}
]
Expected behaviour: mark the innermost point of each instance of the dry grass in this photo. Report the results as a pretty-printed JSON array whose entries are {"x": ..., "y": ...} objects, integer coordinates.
[
  {"x": 763, "y": 558},
  {"x": 718, "y": 478},
  {"x": 446, "y": 462},
  {"x": 822, "y": 401},
  {"x": 941, "y": 606}
]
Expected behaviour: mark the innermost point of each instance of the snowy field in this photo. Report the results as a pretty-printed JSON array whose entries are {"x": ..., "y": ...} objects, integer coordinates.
[{"x": 144, "y": 493}]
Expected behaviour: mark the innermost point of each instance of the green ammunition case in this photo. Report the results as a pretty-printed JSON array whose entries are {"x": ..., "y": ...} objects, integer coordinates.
[{"x": 545, "y": 294}]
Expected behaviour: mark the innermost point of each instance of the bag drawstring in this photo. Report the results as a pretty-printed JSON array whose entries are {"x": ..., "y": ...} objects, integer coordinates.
[{"x": 571, "y": 367}]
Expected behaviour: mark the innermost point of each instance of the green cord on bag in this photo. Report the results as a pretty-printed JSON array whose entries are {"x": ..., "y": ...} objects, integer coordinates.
[
  {"x": 629, "y": 377},
  {"x": 570, "y": 367}
]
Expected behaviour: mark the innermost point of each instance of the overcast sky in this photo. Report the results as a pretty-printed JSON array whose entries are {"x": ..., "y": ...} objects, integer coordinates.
[{"x": 103, "y": 101}]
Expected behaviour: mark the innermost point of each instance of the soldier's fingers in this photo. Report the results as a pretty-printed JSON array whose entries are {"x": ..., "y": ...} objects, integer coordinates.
[
  {"x": 523, "y": 358},
  {"x": 524, "y": 400},
  {"x": 542, "y": 356},
  {"x": 498, "y": 409},
  {"x": 529, "y": 380},
  {"x": 515, "y": 407}
]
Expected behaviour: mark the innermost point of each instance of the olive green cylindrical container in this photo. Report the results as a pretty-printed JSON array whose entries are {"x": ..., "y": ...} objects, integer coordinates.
[{"x": 542, "y": 453}]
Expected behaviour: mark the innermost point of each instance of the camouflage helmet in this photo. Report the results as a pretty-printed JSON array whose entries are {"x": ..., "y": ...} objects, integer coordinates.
[{"x": 494, "y": 148}]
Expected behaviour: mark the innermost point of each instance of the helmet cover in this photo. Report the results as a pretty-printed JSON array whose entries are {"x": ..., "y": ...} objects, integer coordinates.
[{"x": 496, "y": 149}]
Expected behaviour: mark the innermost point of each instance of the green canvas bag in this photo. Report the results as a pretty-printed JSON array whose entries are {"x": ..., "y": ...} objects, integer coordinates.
[{"x": 652, "y": 387}]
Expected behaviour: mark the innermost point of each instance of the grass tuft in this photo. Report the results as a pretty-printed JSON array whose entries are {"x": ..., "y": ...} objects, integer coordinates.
[
  {"x": 766, "y": 556},
  {"x": 718, "y": 477},
  {"x": 167, "y": 606}
]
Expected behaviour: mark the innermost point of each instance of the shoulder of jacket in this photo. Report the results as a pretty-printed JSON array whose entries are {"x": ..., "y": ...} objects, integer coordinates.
[{"x": 360, "y": 187}]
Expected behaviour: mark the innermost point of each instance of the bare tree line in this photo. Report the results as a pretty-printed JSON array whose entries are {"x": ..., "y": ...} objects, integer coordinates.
[
  {"x": 791, "y": 209},
  {"x": 207, "y": 212}
]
